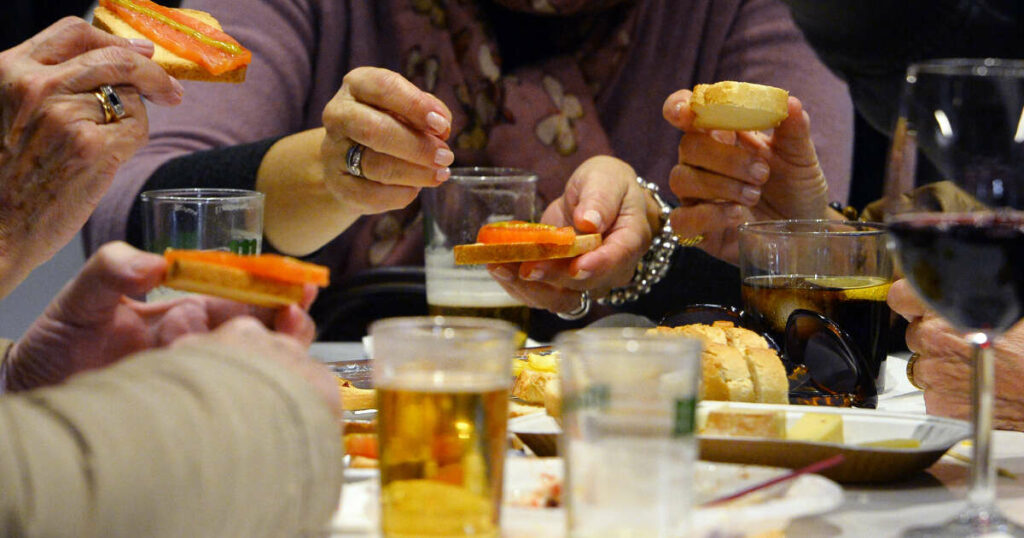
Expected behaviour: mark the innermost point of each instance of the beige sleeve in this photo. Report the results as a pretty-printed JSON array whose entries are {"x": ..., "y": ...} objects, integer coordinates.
[{"x": 196, "y": 443}]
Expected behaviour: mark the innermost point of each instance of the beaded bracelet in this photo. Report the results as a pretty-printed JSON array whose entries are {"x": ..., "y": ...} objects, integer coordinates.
[{"x": 656, "y": 261}]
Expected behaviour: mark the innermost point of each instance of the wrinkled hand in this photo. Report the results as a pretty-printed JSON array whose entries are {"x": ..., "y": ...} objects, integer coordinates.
[
  {"x": 57, "y": 156},
  {"x": 943, "y": 366},
  {"x": 251, "y": 337},
  {"x": 404, "y": 130},
  {"x": 726, "y": 178},
  {"x": 602, "y": 196},
  {"x": 91, "y": 323}
]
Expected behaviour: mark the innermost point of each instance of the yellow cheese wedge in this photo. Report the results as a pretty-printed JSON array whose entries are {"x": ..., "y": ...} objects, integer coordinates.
[{"x": 818, "y": 428}]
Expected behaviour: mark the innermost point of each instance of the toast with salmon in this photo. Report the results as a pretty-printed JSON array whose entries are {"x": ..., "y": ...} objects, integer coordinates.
[
  {"x": 264, "y": 280},
  {"x": 189, "y": 44},
  {"x": 517, "y": 241}
]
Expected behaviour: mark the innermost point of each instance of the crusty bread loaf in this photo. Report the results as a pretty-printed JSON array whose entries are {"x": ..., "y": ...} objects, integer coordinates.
[
  {"x": 725, "y": 375},
  {"x": 231, "y": 283},
  {"x": 477, "y": 253},
  {"x": 738, "y": 106},
  {"x": 530, "y": 385},
  {"x": 175, "y": 65},
  {"x": 737, "y": 364}
]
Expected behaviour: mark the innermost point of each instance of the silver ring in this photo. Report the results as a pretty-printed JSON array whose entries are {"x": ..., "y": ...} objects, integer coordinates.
[
  {"x": 354, "y": 160},
  {"x": 580, "y": 311},
  {"x": 110, "y": 103}
]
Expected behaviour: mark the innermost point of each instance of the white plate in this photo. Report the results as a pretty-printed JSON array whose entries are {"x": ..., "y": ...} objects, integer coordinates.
[{"x": 807, "y": 495}]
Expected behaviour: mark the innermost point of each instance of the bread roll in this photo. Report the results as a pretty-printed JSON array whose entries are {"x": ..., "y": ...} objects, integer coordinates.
[{"x": 738, "y": 106}]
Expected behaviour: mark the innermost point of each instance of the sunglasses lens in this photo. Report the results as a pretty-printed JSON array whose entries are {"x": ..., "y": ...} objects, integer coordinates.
[
  {"x": 702, "y": 313},
  {"x": 834, "y": 367}
]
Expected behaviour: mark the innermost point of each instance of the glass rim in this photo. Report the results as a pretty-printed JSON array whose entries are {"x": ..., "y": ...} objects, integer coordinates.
[
  {"x": 777, "y": 228},
  {"x": 968, "y": 67},
  {"x": 200, "y": 194},
  {"x": 445, "y": 322},
  {"x": 493, "y": 174}
]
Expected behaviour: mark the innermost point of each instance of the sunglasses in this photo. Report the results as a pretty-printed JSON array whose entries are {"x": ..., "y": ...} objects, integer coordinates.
[{"x": 823, "y": 366}]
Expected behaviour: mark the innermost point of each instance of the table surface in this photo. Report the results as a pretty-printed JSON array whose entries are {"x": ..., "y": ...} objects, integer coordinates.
[{"x": 876, "y": 511}]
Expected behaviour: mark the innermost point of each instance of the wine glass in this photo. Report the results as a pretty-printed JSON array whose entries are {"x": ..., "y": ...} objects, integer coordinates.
[{"x": 954, "y": 197}]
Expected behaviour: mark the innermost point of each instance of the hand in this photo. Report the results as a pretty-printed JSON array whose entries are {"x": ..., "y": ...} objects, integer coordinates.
[
  {"x": 943, "y": 366},
  {"x": 91, "y": 323},
  {"x": 726, "y": 178},
  {"x": 250, "y": 337},
  {"x": 602, "y": 196},
  {"x": 403, "y": 129},
  {"x": 57, "y": 155}
]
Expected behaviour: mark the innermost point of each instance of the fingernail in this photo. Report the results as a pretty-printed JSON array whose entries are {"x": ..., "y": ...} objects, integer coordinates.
[
  {"x": 721, "y": 136},
  {"x": 142, "y": 46},
  {"x": 442, "y": 175},
  {"x": 679, "y": 108},
  {"x": 444, "y": 157},
  {"x": 438, "y": 123},
  {"x": 759, "y": 171},
  {"x": 535, "y": 274},
  {"x": 582, "y": 275},
  {"x": 179, "y": 90},
  {"x": 502, "y": 273},
  {"x": 750, "y": 195},
  {"x": 593, "y": 217}
]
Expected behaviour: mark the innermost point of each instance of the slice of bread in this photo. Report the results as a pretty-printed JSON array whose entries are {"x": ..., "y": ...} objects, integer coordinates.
[
  {"x": 745, "y": 423},
  {"x": 231, "y": 283},
  {"x": 768, "y": 375},
  {"x": 478, "y": 253},
  {"x": 738, "y": 106},
  {"x": 175, "y": 65},
  {"x": 725, "y": 375},
  {"x": 354, "y": 398}
]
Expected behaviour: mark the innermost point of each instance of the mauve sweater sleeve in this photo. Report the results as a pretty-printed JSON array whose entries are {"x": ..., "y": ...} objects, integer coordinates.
[
  {"x": 765, "y": 45},
  {"x": 271, "y": 102}
]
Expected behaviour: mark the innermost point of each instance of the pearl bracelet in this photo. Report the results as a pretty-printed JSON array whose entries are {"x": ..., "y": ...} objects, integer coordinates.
[{"x": 655, "y": 263}]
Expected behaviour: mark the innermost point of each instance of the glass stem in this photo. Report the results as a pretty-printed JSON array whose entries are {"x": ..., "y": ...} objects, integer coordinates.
[{"x": 982, "y": 493}]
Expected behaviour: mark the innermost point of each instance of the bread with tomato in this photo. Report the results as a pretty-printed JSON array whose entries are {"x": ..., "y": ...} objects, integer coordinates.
[
  {"x": 263, "y": 280},
  {"x": 738, "y": 106},
  {"x": 189, "y": 44},
  {"x": 517, "y": 241}
]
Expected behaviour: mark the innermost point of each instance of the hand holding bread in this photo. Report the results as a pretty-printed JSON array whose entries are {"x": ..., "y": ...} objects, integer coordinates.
[{"x": 727, "y": 175}]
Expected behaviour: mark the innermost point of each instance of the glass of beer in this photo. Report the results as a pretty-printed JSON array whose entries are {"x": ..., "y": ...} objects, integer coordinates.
[
  {"x": 452, "y": 215},
  {"x": 628, "y": 432},
  {"x": 841, "y": 270},
  {"x": 203, "y": 219},
  {"x": 443, "y": 389}
]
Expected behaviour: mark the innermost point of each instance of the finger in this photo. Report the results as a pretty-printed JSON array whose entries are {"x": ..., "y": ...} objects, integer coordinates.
[
  {"x": 116, "y": 270},
  {"x": 704, "y": 151},
  {"x": 542, "y": 295},
  {"x": 693, "y": 184},
  {"x": 677, "y": 110},
  {"x": 295, "y": 322},
  {"x": 185, "y": 317},
  {"x": 791, "y": 140},
  {"x": 389, "y": 91},
  {"x": 597, "y": 203},
  {"x": 72, "y": 36},
  {"x": 384, "y": 133},
  {"x": 904, "y": 300},
  {"x": 368, "y": 196},
  {"x": 117, "y": 66},
  {"x": 389, "y": 170}
]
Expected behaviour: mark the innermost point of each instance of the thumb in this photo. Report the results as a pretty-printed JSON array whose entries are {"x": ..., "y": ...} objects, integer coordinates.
[
  {"x": 116, "y": 270},
  {"x": 791, "y": 140},
  {"x": 599, "y": 200}
]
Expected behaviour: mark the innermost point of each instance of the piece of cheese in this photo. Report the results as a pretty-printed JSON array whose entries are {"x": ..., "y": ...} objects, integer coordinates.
[
  {"x": 817, "y": 428},
  {"x": 745, "y": 423}
]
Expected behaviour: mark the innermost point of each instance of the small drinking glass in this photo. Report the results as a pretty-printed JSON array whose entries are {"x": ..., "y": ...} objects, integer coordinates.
[
  {"x": 628, "y": 431},
  {"x": 204, "y": 219},
  {"x": 442, "y": 398},
  {"x": 452, "y": 215}
]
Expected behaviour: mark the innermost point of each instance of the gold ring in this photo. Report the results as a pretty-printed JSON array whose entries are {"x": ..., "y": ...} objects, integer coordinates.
[
  {"x": 691, "y": 241},
  {"x": 110, "y": 103},
  {"x": 910, "y": 369}
]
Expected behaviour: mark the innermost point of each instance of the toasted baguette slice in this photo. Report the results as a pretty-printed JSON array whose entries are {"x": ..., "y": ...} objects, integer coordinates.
[
  {"x": 175, "y": 65},
  {"x": 231, "y": 283},
  {"x": 725, "y": 375},
  {"x": 768, "y": 375},
  {"x": 523, "y": 252},
  {"x": 738, "y": 106}
]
